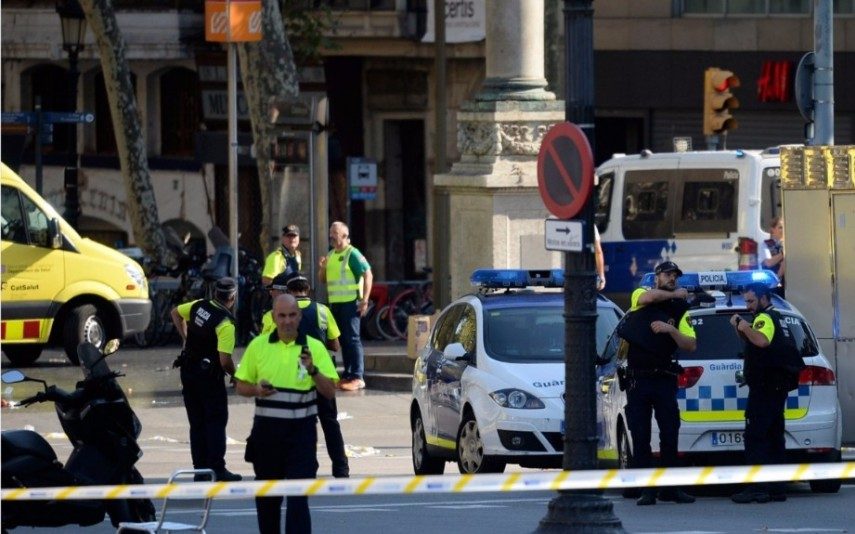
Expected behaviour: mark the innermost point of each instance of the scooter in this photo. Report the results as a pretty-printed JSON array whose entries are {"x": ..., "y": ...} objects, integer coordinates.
[{"x": 103, "y": 428}]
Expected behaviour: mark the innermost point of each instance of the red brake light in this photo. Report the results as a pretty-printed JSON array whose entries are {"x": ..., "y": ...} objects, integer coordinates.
[
  {"x": 813, "y": 375},
  {"x": 689, "y": 377},
  {"x": 747, "y": 249}
]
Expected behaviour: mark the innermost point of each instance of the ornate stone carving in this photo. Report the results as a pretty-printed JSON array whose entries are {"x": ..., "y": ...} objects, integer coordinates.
[{"x": 507, "y": 139}]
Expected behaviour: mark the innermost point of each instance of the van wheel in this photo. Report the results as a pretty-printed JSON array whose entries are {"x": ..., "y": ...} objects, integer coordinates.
[
  {"x": 83, "y": 325},
  {"x": 22, "y": 355}
]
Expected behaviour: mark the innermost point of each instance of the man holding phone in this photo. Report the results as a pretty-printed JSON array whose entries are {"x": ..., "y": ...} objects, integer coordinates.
[{"x": 285, "y": 372}]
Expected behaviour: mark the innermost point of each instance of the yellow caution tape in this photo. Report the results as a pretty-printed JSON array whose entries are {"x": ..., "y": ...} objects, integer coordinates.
[{"x": 520, "y": 481}]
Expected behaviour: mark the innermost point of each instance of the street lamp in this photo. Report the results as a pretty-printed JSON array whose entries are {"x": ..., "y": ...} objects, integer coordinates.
[{"x": 73, "y": 22}]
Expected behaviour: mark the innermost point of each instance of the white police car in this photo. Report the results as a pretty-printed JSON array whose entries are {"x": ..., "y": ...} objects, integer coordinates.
[
  {"x": 488, "y": 389},
  {"x": 712, "y": 404}
]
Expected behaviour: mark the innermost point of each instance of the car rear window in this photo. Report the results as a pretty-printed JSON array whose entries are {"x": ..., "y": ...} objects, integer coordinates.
[
  {"x": 535, "y": 334},
  {"x": 717, "y": 340}
]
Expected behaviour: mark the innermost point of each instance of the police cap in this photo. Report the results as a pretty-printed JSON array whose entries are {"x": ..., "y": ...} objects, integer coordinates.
[{"x": 668, "y": 267}]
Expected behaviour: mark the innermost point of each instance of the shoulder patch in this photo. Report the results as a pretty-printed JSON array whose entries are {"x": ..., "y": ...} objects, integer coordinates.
[{"x": 760, "y": 324}]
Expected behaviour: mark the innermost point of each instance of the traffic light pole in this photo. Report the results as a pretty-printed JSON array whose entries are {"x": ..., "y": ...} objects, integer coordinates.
[{"x": 582, "y": 510}]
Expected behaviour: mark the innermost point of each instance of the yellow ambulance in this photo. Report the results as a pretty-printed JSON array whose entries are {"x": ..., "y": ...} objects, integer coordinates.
[{"x": 59, "y": 288}]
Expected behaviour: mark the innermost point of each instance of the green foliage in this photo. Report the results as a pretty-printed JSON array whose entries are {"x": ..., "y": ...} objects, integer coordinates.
[{"x": 308, "y": 29}]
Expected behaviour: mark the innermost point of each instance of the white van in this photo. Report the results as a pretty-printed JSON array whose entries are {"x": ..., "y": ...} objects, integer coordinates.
[{"x": 703, "y": 210}]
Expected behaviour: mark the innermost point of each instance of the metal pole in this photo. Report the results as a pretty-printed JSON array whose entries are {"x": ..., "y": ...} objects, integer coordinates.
[
  {"x": 583, "y": 510},
  {"x": 70, "y": 182},
  {"x": 312, "y": 182},
  {"x": 441, "y": 276},
  {"x": 233, "y": 145},
  {"x": 38, "y": 154},
  {"x": 823, "y": 78}
]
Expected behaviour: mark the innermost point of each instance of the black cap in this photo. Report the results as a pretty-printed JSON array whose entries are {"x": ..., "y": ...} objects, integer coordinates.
[
  {"x": 225, "y": 287},
  {"x": 667, "y": 267},
  {"x": 291, "y": 229},
  {"x": 297, "y": 281},
  {"x": 280, "y": 282}
]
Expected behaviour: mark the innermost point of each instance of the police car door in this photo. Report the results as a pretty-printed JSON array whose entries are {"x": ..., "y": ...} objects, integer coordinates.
[
  {"x": 442, "y": 338},
  {"x": 451, "y": 371}
]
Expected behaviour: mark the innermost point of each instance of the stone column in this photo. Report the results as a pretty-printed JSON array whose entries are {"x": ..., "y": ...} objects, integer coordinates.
[{"x": 490, "y": 198}]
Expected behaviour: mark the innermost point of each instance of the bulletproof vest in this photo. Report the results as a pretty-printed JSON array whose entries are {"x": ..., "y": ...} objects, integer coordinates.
[
  {"x": 205, "y": 316},
  {"x": 290, "y": 261},
  {"x": 648, "y": 350},
  {"x": 778, "y": 364},
  {"x": 309, "y": 324}
]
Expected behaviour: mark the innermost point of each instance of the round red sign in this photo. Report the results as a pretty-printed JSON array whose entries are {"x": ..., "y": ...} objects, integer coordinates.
[{"x": 565, "y": 170}]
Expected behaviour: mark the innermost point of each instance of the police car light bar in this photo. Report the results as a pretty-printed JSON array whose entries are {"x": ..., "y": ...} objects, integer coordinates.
[
  {"x": 720, "y": 280},
  {"x": 508, "y": 278}
]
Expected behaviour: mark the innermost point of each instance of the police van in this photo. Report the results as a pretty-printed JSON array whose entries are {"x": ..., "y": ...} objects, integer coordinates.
[
  {"x": 706, "y": 210},
  {"x": 712, "y": 403},
  {"x": 58, "y": 287}
]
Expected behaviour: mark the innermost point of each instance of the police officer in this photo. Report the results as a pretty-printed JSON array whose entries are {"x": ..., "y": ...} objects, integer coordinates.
[
  {"x": 656, "y": 326},
  {"x": 764, "y": 339},
  {"x": 348, "y": 277},
  {"x": 208, "y": 332},
  {"x": 277, "y": 287},
  {"x": 319, "y": 323},
  {"x": 286, "y": 258},
  {"x": 285, "y": 371}
]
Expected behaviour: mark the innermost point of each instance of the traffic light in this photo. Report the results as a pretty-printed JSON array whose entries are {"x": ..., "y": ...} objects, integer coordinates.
[{"x": 718, "y": 101}]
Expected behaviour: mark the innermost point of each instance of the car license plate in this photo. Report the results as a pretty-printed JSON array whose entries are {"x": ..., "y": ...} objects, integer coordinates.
[{"x": 728, "y": 439}]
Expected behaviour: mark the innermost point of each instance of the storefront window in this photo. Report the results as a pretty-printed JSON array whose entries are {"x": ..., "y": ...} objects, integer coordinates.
[{"x": 760, "y": 7}]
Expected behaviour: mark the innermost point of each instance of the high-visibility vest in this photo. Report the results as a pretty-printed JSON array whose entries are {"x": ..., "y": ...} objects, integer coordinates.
[{"x": 342, "y": 285}]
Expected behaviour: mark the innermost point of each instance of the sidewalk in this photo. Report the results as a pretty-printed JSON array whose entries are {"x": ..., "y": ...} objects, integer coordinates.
[{"x": 387, "y": 367}]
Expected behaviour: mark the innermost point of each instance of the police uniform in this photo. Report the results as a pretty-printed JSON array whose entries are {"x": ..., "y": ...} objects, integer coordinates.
[
  {"x": 317, "y": 321},
  {"x": 652, "y": 377},
  {"x": 344, "y": 270},
  {"x": 283, "y": 439},
  {"x": 767, "y": 397},
  {"x": 281, "y": 260},
  {"x": 210, "y": 330}
]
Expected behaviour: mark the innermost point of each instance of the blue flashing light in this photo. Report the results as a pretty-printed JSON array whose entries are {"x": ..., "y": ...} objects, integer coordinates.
[
  {"x": 517, "y": 278},
  {"x": 720, "y": 280}
]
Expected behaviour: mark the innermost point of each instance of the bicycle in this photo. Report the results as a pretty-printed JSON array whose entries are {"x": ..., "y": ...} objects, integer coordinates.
[{"x": 415, "y": 300}]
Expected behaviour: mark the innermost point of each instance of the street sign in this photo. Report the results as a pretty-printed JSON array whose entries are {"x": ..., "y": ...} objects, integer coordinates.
[
  {"x": 48, "y": 117},
  {"x": 362, "y": 175},
  {"x": 565, "y": 170},
  {"x": 564, "y": 235}
]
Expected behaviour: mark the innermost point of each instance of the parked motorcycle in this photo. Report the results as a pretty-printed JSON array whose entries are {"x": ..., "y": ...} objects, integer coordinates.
[{"x": 103, "y": 428}]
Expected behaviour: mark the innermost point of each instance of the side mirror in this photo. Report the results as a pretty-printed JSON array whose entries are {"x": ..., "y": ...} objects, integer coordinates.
[
  {"x": 13, "y": 376},
  {"x": 54, "y": 234},
  {"x": 110, "y": 347},
  {"x": 455, "y": 351}
]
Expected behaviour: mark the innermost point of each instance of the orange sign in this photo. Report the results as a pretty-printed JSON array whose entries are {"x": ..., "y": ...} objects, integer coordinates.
[{"x": 232, "y": 21}]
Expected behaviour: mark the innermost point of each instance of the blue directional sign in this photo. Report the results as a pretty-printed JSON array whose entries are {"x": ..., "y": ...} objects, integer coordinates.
[
  {"x": 48, "y": 117},
  {"x": 18, "y": 117}
]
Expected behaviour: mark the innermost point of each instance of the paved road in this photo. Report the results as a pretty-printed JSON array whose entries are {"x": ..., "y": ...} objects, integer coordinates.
[{"x": 375, "y": 426}]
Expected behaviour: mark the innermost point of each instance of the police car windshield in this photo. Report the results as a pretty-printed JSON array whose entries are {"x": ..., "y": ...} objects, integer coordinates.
[
  {"x": 535, "y": 334},
  {"x": 717, "y": 341}
]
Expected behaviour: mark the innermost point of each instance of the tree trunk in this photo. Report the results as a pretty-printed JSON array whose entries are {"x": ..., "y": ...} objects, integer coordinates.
[
  {"x": 268, "y": 73},
  {"x": 133, "y": 159}
]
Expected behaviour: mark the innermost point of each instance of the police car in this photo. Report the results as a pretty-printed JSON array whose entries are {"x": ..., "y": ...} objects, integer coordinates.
[
  {"x": 488, "y": 388},
  {"x": 712, "y": 404}
]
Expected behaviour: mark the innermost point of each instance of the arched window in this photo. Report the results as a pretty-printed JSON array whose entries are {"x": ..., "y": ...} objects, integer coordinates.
[{"x": 180, "y": 112}]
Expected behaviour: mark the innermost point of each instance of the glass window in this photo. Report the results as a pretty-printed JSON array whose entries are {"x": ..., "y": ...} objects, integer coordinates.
[
  {"x": 844, "y": 7},
  {"x": 717, "y": 340},
  {"x": 747, "y": 7},
  {"x": 703, "y": 6},
  {"x": 444, "y": 332},
  {"x": 465, "y": 331},
  {"x": 37, "y": 223},
  {"x": 13, "y": 228},
  {"x": 535, "y": 334},
  {"x": 770, "y": 201},
  {"x": 604, "y": 201},
  {"x": 790, "y": 6},
  {"x": 708, "y": 201},
  {"x": 645, "y": 205}
]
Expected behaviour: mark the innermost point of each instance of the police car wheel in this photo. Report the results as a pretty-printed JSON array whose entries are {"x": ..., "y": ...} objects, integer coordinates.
[
  {"x": 423, "y": 463},
  {"x": 470, "y": 450},
  {"x": 83, "y": 325}
]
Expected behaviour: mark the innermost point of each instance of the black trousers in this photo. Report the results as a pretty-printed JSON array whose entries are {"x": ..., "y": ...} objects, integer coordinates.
[
  {"x": 764, "y": 428},
  {"x": 208, "y": 413},
  {"x": 328, "y": 416},
  {"x": 283, "y": 449},
  {"x": 653, "y": 396}
]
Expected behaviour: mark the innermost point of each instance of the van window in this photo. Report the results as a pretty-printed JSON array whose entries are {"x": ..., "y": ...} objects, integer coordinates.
[
  {"x": 708, "y": 201},
  {"x": 770, "y": 196},
  {"x": 604, "y": 201},
  {"x": 37, "y": 222},
  {"x": 646, "y": 213},
  {"x": 13, "y": 220}
]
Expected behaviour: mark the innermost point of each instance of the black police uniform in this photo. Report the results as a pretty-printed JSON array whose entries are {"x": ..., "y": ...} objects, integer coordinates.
[
  {"x": 767, "y": 396},
  {"x": 327, "y": 408},
  {"x": 204, "y": 389},
  {"x": 652, "y": 375}
]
